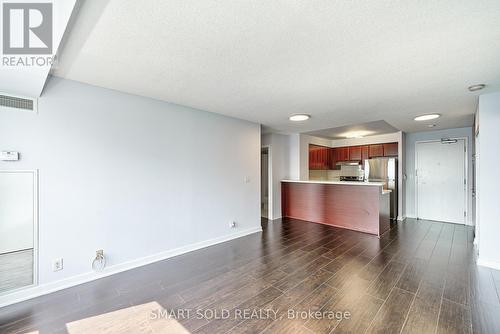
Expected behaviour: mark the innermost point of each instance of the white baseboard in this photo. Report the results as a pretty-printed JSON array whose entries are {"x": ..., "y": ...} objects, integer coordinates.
[
  {"x": 43, "y": 289},
  {"x": 488, "y": 263},
  {"x": 401, "y": 218}
]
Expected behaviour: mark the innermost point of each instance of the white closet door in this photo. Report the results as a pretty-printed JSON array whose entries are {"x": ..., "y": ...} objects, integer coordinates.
[
  {"x": 17, "y": 210},
  {"x": 441, "y": 188}
]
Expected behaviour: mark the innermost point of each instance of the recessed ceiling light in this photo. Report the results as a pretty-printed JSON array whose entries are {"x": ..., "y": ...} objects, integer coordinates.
[
  {"x": 299, "y": 117},
  {"x": 475, "y": 88},
  {"x": 427, "y": 117}
]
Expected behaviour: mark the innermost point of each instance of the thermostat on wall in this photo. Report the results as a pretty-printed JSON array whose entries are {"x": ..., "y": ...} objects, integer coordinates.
[{"x": 9, "y": 156}]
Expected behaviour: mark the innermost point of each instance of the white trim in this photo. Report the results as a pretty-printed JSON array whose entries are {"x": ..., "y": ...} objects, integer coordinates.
[
  {"x": 270, "y": 192},
  {"x": 34, "y": 172},
  {"x": 488, "y": 263},
  {"x": 44, "y": 289},
  {"x": 467, "y": 220}
]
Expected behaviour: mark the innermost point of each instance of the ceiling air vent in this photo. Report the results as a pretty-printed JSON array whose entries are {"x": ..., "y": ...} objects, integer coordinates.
[{"x": 17, "y": 102}]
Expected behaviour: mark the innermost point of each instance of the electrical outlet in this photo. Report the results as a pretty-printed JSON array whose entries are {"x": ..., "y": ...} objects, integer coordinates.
[
  {"x": 57, "y": 264},
  {"x": 232, "y": 224}
]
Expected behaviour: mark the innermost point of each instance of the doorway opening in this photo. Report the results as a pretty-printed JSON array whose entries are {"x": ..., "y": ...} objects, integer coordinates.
[
  {"x": 265, "y": 183},
  {"x": 441, "y": 180}
]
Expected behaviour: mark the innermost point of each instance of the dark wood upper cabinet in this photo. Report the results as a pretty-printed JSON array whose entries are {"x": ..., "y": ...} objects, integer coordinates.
[
  {"x": 342, "y": 153},
  {"x": 355, "y": 153},
  {"x": 391, "y": 150},
  {"x": 332, "y": 160},
  {"x": 376, "y": 150},
  {"x": 319, "y": 157},
  {"x": 313, "y": 158},
  {"x": 322, "y": 157},
  {"x": 365, "y": 152}
]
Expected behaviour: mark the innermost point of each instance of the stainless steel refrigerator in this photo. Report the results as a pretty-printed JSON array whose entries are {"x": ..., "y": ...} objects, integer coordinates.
[{"x": 385, "y": 170}]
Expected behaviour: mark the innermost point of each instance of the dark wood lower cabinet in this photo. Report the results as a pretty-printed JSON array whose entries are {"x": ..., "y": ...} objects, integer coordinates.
[{"x": 355, "y": 207}]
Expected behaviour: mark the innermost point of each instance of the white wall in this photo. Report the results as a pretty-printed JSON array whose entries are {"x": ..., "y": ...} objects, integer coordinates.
[
  {"x": 411, "y": 139},
  {"x": 488, "y": 183},
  {"x": 305, "y": 141},
  {"x": 131, "y": 175},
  {"x": 294, "y": 168}
]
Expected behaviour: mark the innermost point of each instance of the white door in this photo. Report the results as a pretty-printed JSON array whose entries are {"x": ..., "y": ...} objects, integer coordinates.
[{"x": 441, "y": 181}]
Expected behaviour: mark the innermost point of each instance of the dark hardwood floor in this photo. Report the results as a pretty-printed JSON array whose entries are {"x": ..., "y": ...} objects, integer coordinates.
[{"x": 420, "y": 277}]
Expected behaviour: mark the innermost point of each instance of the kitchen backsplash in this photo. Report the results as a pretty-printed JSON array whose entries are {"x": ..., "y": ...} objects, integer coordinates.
[{"x": 324, "y": 175}]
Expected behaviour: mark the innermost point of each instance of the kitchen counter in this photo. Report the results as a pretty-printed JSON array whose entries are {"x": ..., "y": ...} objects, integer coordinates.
[
  {"x": 359, "y": 206},
  {"x": 350, "y": 183}
]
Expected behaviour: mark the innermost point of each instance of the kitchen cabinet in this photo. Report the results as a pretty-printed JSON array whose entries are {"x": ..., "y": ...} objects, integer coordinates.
[
  {"x": 342, "y": 153},
  {"x": 376, "y": 150},
  {"x": 390, "y": 150},
  {"x": 365, "y": 152},
  {"x": 319, "y": 157},
  {"x": 355, "y": 153},
  {"x": 332, "y": 159},
  {"x": 322, "y": 157},
  {"x": 313, "y": 157}
]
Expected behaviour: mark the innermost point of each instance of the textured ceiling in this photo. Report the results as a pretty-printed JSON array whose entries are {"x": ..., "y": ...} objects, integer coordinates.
[{"x": 343, "y": 62}]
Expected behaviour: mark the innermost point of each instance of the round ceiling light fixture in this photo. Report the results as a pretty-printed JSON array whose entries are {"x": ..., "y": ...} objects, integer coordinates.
[
  {"x": 299, "y": 117},
  {"x": 427, "y": 117},
  {"x": 475, "y": 88}
]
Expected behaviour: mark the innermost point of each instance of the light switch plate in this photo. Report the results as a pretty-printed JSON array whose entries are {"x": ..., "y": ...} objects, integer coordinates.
[{"x": 9, "y": 156}]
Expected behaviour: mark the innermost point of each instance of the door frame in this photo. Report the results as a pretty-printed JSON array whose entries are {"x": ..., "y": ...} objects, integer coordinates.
[
  {"x": 270, "y": 192},
  {"x": 466, "y": 172},
  {"x": 35, "y": 173}
]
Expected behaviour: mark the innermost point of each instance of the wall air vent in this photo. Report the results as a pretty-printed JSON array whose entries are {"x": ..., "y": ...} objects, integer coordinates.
[{"x": 18, "y": 102}]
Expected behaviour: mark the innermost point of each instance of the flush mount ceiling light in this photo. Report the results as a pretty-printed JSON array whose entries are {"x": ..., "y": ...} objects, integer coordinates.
[
  {"x": 475, "y": 88},
  {"x": 299, "y": 117},
  {"x": 427, "y": 117}
]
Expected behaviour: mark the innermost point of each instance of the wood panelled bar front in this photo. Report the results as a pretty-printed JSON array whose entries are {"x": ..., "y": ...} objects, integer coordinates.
[{"x": 356, "y": 206}]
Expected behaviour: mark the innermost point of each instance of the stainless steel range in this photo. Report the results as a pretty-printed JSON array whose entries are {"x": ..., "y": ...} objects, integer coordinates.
[
  {"x": 351, "y": 171},
  {"x": 352, "y": 178}
]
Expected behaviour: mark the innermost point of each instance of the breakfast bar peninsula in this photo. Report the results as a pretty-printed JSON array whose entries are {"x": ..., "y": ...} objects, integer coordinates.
[{"x": 359, "y": 206}]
